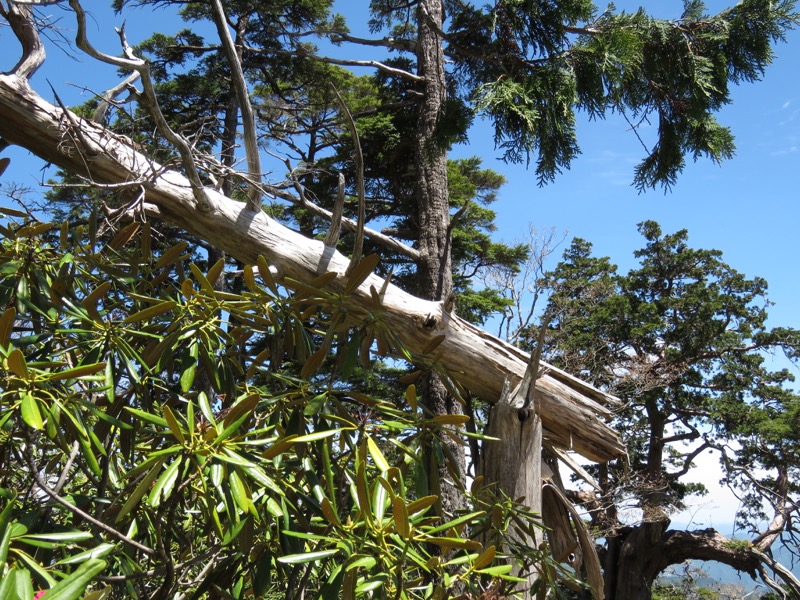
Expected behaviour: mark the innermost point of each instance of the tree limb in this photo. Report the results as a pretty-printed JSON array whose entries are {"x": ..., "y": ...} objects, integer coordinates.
[
  {"x": 149, "y": 100},
  {"x": 246, "y": 108}
]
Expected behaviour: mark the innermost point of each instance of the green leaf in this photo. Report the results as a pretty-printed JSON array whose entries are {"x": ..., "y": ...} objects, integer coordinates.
[
  {"x": 16, "y": 584},
  {"x": 141, "y": 489},
  {"x": 77, "y": 372},
  {"x": 151, "y": 312},
  {"x": 361, "y": 561},
  {"x": 97, "y": 552},
  {"x": 16, "y": 363},
  {"x": 62, "y": 536},
  {"x": 74, "y": 586},
  {"x": 377, "y": 455},
  {"x": 372, "y": 584},
  {"x": 29, "y": 408},
  {"x": 146, "y": 416},
  {"x": 496, "y": 571},
  {"x": 360, "y": 273},
  {"x": 165, "y": 483},
  {"x": 319, "y": 435},
  {"x": 172, "y": 423}
]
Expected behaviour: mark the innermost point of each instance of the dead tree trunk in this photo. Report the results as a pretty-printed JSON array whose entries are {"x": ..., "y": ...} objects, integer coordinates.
[{"x": 514, "y": 466}]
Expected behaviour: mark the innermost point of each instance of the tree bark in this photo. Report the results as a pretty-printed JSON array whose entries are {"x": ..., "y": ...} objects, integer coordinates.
[
  {"x": 434, "y": 266},
  {"x": 646, "y": 550},
  {"x": 514, "y": 464}
]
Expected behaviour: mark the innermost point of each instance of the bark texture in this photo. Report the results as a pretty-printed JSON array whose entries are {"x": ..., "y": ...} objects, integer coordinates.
[
  {"x": 514, "y": 464},
  {"x": 434, "y": 266},
  {"x": 573, "y": 412},
  {"x": 644, "y": 552}
]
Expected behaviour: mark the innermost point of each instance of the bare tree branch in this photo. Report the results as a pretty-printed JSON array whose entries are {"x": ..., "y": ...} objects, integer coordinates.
[
  {"x": 243, "y": 95},
  {"x": 20, "y": 18},
  {"x": 149, "y": 100}
]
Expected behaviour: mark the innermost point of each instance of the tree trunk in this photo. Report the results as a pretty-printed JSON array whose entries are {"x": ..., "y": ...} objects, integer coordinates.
[
  {"x": 514, "y": 464},
  {"x": 434, "y": 268}
]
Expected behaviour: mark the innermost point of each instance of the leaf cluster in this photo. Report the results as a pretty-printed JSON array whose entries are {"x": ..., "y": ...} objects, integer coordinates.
[{"x": 161, "y": 436}]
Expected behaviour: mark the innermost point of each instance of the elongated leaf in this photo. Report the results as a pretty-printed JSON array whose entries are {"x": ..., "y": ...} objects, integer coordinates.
[
  {"x": 91, "y": 300},
  {"x": 215, "y": 271},
  {"x": 457, "y": 521},
  {"x": 172, "y": 255},
  {"x": 146, "y": 416},
  {"x": 241, "y": 409},
  {"x": 77, "y": 372},
  {"x": 361, "y": 561},
  {"x": 496, "y": 571},
  {"x": 165, "y": 483},
  {"x": 151, "y": 312},
  {"x": 306, "y": 557},
  {"x": 377, "y": 455},
  {"x": 98, "y": 552},
  {"x": 7, "y": 325},
  {"x": 124, "y": 236},
  {"x": 451, "y": 419},
  {"x": 318, "y": 435},
  {"x": 400, "y": 513},
  {"x": 29, "y": 408},
  {"x": 433, "y": 344},
  {"x": 411, "y": 397},
  {"x": 16, "y": 363},
  {"x": 172, "y": 423},
  {"x": 360, "y": 273},
  {"x": 205, "y": 284},
  {"x": 421, "y": 504},
  {"x": 61, "y": 536},
  {"x": 329, "y": 513},
  {"x": 74, "y": 586},
  {"x": 448, "y": 542},
  {"x": 486, "y": 558},
  {"x": 279, "y": 447}
]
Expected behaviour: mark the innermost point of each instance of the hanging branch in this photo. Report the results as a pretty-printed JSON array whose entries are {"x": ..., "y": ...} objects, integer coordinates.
[
  {"x": 243, "y": 95},
  {"x": 358, "y": 244}
]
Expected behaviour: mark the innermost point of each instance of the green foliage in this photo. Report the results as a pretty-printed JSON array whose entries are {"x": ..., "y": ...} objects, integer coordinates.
[
  {"x": 167, "y": 437},
  {"x": 682, "y": 340}
]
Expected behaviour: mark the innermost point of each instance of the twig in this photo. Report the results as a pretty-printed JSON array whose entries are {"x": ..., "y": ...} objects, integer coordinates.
[
  {"x": 107, "y": 99},
  {"x": 148, "y": 99},
  {"x": 20, "y": 18},
  {"x": 74, "y": 509}
]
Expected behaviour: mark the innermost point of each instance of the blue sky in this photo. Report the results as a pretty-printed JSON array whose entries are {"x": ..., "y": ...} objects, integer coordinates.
[{"x": 747, "y": 207}]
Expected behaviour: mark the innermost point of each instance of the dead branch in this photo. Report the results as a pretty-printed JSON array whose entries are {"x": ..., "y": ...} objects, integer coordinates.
[
  {"x": 148, "y": 100},
  {"x": 243, "y": 96}
]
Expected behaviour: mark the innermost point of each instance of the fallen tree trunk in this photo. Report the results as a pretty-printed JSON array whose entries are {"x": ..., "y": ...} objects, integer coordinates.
[{"x": 573, "y": 412}]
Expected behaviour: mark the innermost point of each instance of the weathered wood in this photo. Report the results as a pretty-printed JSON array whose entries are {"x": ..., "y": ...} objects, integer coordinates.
[
  {"x": 514, "y": 466},
  {"x": 573, "y": 413}
]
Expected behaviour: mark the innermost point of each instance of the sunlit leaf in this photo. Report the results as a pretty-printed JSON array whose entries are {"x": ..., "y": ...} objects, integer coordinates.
[
  {"x": 29, "y": 408},
  {"x": 293, "y": 559},
  {"x": 74, "y": 585}
]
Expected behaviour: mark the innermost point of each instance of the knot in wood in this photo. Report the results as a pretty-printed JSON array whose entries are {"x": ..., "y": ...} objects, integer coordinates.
[
  {"x": 429, "y": 322},
  {"x": 523, "y": 414}
]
